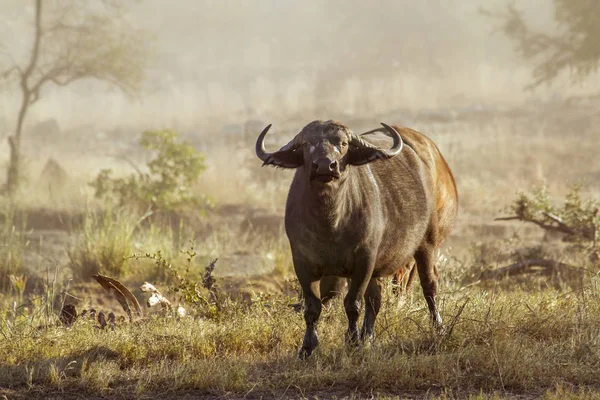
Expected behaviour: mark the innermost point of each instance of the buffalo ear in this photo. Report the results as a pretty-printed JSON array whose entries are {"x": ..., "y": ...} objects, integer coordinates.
[
  {"x": 362, "y": 155},
  {"x": 293, "y": 158}
]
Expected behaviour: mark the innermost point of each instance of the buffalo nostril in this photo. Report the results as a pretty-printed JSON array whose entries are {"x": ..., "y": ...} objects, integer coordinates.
[{"x": 324, "y": 165}]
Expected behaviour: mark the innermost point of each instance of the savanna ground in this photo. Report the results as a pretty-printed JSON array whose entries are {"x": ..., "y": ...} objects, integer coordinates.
[{"x": 528, "y": 335}]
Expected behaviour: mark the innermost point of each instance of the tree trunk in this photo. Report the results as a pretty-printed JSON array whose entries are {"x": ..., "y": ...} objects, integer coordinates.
[
  {"x": 13, "y": 175},
  {"x": 13, "y": 178},
  {"x": 14, "y": 166}
]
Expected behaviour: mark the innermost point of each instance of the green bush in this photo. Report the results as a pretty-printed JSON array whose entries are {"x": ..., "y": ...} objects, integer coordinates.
[{"x": 166, "y": 185}]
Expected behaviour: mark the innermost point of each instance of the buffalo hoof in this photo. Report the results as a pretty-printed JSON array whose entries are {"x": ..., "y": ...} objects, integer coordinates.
[
  {"x": 352, "y": 338},
  {"x": 438, "y": 324},
  {"x": 310, "y": 343},
  {"x": 366, "y": 338}
]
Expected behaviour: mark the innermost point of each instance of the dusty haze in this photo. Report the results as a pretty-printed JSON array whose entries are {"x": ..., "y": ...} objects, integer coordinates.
[{"x": 218, "y": 63}]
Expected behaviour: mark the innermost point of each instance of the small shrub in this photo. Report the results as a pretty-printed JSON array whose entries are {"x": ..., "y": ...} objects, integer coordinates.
[
  {"x": 203, "y": 296},
  {"x": 578, "y": 218},
  {"x": 168, "y": 182}
]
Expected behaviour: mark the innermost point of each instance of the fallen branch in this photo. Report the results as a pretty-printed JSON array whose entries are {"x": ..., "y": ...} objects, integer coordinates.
[
  {"x": 539, "y": 265},
  {"x": 552, "y": 222},
  {"x": 559, "y": 227}
]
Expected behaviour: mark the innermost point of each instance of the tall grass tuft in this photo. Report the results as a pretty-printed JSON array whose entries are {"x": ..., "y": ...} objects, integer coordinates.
[
  {"x": 13, "y": 244},
  {"x": 104, "y": 243}
]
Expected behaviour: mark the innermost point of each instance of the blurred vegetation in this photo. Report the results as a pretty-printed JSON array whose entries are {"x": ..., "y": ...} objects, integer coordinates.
[
  {"x": 563, "y": 257},
  {"x": 72, "y": 41},
  {"x": 168, "y": 183},
  {"x": 14, "y": 243},
  {"x": 103, "y": 243},
  {"x": 199, "y": 291},
  {"x": 578, "y": 218},
  {"x": 574, "y": 47}
]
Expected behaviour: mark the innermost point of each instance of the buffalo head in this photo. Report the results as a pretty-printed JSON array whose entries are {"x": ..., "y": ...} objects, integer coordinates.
[{"x": 326, "y": 149}]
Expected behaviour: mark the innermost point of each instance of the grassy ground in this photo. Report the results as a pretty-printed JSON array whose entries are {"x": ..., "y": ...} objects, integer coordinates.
[
  {"x": 513, "y": 343},
  {"x": 522, "y": 337}
]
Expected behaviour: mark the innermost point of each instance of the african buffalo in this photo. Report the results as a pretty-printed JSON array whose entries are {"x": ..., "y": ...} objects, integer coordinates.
[{"x": 359, "y": 209}]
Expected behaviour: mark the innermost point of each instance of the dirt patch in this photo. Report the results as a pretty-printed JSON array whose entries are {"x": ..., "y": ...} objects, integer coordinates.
[{"x": 44, "y": 219}]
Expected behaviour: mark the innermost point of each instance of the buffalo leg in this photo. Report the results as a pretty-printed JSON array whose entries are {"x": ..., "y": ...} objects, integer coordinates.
[
  {"x": 372, "y": 306},
  {"x": 429, "y": 281},
  {"x": 352, "y": 302},
  {"x": 312, "y": 311}
]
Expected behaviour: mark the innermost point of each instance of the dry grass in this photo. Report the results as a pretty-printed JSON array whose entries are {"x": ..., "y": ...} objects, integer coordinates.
[
  {"x": 518, "y": 343},
  {"x": 520, "y": 338}
]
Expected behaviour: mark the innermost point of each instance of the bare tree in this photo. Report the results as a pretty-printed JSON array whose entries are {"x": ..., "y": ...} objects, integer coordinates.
[
  {"x": 575, "y": 46},
  {"x": 74, "y": 40}
]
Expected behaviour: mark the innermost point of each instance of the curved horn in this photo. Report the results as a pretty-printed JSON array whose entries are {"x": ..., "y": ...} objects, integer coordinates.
[
  {"x": 367, "y": 152},
  {"x": 261, "y": 152},
  {"x": 357, "y": 141},
  {"x": 398, "y": 142},
  {"x": 285, "y": 157},
  {"x": 396, "y": 146}
]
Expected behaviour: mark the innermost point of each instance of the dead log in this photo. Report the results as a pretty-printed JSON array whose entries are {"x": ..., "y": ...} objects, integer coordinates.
[
  {"x": 534, "y": 265},
  {"x": 553, "y": 223}
]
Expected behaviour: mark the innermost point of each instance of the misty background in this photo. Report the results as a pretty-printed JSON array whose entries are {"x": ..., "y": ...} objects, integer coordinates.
[{"x": 216, "y": 63}]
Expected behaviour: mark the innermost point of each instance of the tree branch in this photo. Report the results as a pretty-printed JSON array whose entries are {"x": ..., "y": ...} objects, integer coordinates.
[
  {"x": 131, "y": 163},
  {"x": 556, "y": 225},
  {"x": 542, "y": 265},
  {"x": 37, "y": 39},
  {"x": 8, "y": 72},
  {"x": 533, "y": 221},
  {"x": 572, "y": 48}
]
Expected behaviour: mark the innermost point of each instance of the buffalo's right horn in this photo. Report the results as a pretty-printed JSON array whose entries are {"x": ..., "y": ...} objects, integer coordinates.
[
  {"x": 261, "y": 151},
  {"x": 282, "y": 157}
]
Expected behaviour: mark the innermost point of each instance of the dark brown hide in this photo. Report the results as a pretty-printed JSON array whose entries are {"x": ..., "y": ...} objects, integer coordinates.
[
  {"x": 357, "y": 210},
  {"x": 447, "y": 207}
]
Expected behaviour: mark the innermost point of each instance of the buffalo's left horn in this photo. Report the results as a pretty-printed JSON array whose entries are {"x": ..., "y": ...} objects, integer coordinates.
[
  {"x": 398, "y": 142},
  {"x": 396, "y": 146}
]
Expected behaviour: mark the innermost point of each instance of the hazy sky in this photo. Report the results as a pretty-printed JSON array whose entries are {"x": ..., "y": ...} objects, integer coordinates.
[{"x": 221, "y": 61}]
